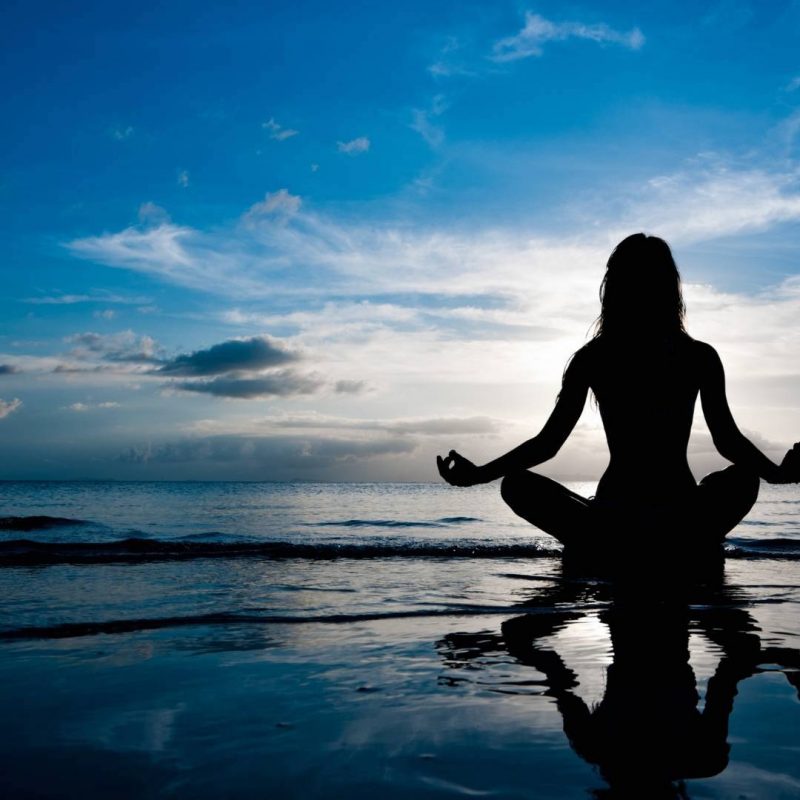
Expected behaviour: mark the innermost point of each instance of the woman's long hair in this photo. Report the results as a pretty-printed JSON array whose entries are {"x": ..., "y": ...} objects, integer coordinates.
[{"x": 640, "y": 295}]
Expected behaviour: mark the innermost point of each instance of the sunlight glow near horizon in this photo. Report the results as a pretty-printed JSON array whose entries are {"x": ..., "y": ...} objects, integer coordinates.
[{"x": 402, "y": 217}]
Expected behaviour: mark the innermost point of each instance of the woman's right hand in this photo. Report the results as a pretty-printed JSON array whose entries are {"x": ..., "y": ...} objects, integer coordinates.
[
  {"x": 457, "y": 470},
  {"x": 790, "y": 466}
]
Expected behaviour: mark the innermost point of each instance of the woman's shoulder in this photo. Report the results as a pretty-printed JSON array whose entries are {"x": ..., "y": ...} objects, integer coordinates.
[
  {"x": 681, "y": 345},
  {"x": 591, "y": 348},
  {"x": 586, "y": 354},
  {"x": 702, "y": 350}
]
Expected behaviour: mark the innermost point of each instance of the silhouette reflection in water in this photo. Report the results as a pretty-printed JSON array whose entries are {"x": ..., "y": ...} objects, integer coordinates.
[{"x": 647, "y": 734}]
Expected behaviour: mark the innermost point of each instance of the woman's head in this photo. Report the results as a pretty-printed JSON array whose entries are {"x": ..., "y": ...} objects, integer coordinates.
[{"x": 641, "y": 290}]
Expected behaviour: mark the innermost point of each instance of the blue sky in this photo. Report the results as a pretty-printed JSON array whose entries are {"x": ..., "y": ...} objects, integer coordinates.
[{"x": 326, "y": 241}]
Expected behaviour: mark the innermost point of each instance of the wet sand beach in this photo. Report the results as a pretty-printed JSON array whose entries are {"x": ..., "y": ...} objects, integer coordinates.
[{"x": 296, "y": 640}]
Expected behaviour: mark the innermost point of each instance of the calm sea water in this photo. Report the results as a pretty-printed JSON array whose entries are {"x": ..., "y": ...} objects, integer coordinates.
[{"x": 339, "y": 640}]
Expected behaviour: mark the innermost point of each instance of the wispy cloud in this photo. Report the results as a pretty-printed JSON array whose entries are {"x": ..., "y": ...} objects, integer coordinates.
[
  {"x": 333, "y": 425},
  {"x": 315, "y": 445},
  {"x": 151, "y": 214},
  {"x": 240, "y": 263},
  {"x": 183, "y": 178},
  {"x": 711, "y": 200},
  {"x": 349, "y": 387},
  {"x": 278, "y": 132},
  {"x": 793, "y": 84},
  {"x": 99, "y": 297},
  {"x": 423, "y": 121},
  {"x": 282, "y": 383},
  {"x": 275, "y": 203},
  {"x": 705, "y": 200},
  {"x": 448, "y": 64},
  {"x": 164, "y": 251},
  {"x": 276, "y": 457},
  {"x": 82, "y": 408},
  {"x": 120, "y": 133},
  {"x": 354, "y": 146},
  {"x": 9, "y": 407},
  {"x": 125, "y": 347},
  {"x": 538, "y": 31}
]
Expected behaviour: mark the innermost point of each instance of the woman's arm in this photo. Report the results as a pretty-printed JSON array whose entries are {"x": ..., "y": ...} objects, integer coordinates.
[
  {"x": 728, "y": 439},
  {"x": 459, "y": 471}
]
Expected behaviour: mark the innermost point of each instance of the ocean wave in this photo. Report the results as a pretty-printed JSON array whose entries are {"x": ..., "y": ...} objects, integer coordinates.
[
  {"x": 37, "y": 523},
  {"x": 374, "y": 523},
  {"x": 24, "y": 552},
  {"x": 392, "y": 523},
  {"x": 213, "y": 536},
  {"x": 28, "y": 552},
  {"x": 771, "y": 548},
  {"x": 68, "y": 630}
]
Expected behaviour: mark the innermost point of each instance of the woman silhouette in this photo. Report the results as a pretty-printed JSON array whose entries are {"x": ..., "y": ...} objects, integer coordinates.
[{"x": 645, "y": 372}]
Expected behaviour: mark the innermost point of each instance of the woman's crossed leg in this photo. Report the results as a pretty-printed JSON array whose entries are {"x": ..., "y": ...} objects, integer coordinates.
[{"x": 722, "y": 499}]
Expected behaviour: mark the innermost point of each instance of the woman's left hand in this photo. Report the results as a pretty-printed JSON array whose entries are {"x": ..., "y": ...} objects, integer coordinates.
[
  {"x": 790, "y": 466},
  {"x": 457, "y": 470}
]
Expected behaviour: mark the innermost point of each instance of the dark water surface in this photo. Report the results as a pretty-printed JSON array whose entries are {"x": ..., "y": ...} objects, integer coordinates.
[{"x": 319, "y": 640}]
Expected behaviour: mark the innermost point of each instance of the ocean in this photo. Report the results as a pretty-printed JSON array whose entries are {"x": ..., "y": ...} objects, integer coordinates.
[{"x": 242, "y": 640}]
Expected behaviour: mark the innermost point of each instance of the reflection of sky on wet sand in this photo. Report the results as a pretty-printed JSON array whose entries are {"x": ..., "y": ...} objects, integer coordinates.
[
  {"x": 429, "y": 705},
  {"x": 395, "y": 676}
]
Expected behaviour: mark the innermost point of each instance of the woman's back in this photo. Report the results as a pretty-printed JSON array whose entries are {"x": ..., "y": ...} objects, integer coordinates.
[{"x": 646, "y": 392}]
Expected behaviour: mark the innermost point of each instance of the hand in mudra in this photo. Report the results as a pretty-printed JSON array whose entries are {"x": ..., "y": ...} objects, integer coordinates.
[
  {"x": 790, "y": 466},
  {"x": 457, "y": 470}
]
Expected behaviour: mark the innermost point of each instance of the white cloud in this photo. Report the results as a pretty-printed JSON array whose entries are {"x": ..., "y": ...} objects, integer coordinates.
[
  {"x": 354, "y": 146},
  {"x": 107, "y": 314},
  {"x": 183, "y": 178},
  {"x": 9, "y": 407},
  {"x": 278, "y": 132},
  {"x": 537, "y": 31},
  {"x": 275, "y": 203}
]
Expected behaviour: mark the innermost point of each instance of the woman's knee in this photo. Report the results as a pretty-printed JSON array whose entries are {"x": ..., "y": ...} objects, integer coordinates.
[
  {"x": 744, "y": 481},
  {"x": 515, "y": 485},
  {"x": 522, "y": 486}
]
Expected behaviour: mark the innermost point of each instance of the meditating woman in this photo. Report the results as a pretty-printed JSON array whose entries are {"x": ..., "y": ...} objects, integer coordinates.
[{"x": 645, "y": 372}]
